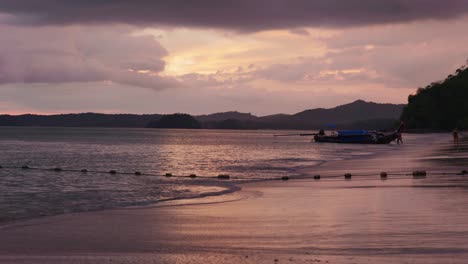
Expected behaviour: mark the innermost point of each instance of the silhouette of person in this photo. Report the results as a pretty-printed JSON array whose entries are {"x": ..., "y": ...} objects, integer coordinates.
[
  {"x": 399, "y": 137},
  {"x": 455, "y": 136}
]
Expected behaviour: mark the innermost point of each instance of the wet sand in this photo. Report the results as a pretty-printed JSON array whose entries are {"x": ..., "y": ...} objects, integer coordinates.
[
  {"x": 361, "y": 220},
  {"x": 293, "y": 222}
]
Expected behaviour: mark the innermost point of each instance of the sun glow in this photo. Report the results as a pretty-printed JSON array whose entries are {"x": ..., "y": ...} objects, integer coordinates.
[{"x": 211, "y": 51}]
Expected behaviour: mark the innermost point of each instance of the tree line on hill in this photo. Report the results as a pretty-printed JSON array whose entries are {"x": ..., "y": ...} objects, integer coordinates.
[
  {"x": 358, "y": 114},
  {"x": 440, "y": 105},
  {"x": 79, "y": 120}
]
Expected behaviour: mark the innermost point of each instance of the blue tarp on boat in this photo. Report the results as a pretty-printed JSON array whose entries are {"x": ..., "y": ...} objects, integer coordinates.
[{"x": 353, "y": 132}]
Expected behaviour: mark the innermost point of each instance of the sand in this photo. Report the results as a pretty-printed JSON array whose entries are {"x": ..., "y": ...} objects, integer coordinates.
[{"x": 282, "y": 221}]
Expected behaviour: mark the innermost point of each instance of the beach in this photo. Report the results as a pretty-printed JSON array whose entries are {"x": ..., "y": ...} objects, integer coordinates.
[
  {"x": 253, "y": 132},
  {"x": 331, "y": 220},
  {"x": 292, "y": 222}
]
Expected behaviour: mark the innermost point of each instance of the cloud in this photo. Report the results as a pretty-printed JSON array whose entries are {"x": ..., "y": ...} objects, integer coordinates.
[
  {"x": 396, "y": 56},
  {"x": 240, "y": 15},
  {"x": 77, "y": 54},
  {"x": 404, "y": 55},
  {"x": 262, "y": 99},
  {"x": 54, "y": 54},
  {"x": 299, "y": 31}
]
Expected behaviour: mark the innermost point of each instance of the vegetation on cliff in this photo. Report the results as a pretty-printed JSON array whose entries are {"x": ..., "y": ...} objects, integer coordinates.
[
  {"x": 175, "y": 121},
  {"x": 440, "y": 105}
]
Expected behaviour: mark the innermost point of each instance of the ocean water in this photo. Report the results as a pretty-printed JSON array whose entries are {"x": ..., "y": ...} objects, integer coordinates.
[{"x": 244, "y": 155}]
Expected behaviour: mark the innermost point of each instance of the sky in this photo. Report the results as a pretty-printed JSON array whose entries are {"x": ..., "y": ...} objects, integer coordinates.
[{"x": 199, "y": 57}]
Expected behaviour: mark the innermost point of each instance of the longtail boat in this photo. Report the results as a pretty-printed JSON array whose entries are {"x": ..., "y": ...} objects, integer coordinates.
[{"x": 354, "y": 136}]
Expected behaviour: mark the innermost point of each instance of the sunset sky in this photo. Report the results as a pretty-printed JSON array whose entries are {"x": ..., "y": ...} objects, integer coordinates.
[{"x": 198, "y": 57}]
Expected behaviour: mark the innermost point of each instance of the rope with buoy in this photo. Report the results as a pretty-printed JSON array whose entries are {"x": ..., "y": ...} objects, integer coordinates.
[{"x": 384, "y": 175}]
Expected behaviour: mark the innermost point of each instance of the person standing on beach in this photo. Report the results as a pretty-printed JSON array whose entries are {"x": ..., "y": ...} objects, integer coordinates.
[
  {"x": 455, "y": 136},
  {"x": 399, "y": 137}
]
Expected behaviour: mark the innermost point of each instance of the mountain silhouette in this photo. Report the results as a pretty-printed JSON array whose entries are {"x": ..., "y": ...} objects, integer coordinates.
[{"x": 352, "y": 115}]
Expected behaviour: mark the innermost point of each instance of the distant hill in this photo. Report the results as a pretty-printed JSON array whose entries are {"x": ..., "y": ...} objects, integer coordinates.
[
  {"x": 344, "y": 115},
  {"x": 358, "y": 114},
  {"x": 234, "y": 115},
  {"x": 175, "y": 121},
  {"x": 79, "y": 120},
  {"x": 352, "y": 112},
  {"x": 440, "y": 105}
]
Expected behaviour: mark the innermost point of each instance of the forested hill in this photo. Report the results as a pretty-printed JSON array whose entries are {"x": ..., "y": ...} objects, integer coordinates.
[
  {"x": 358, "y": 114},
  {"x": 440, "y": 105},
  {"x": 79, "y": 120}
]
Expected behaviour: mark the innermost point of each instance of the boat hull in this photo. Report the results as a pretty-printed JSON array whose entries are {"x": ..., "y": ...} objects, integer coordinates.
[{"x": 377, "y": 138}]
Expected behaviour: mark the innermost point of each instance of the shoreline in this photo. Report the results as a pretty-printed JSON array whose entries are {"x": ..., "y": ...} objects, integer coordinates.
[
  {"x": 362, "y": 220},
  {"x": 227, "y": 189},
  {"x": 258, "y": 224},
  {"x": 335, "y": 168}
]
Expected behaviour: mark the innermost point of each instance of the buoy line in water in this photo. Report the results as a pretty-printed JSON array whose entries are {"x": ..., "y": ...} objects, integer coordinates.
[
  {"x": 114, "y": 172},
  {"x": 417, "y": 174},
  {"x": 384, "y": 175}
]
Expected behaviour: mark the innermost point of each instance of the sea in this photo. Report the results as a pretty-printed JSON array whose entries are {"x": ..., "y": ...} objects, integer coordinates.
[{"x": 48, "y": 171}]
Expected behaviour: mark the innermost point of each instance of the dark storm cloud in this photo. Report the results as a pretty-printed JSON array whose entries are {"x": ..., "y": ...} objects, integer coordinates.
[{"x": 242, "y": 15}]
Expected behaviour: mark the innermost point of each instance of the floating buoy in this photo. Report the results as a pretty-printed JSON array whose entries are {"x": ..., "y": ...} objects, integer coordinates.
[
  {"x": 57, "y": 169},
  {"x": 347, "y": 175},
  {"x": 168, "y": 174},
  {"x": 383, "y": 175},
  {"x": 192, "y": 175},
  {"x": 223, "y": 176},
  {"x": 316, "y": 177},
  {"x": 137, "y": 173},
  {"x": 84, "y": 170},
  {"x": 284, "y": 178},
  {"x": 25, "y": 167},
  {"x": 112, "y": 172},
  {"x": 419, "y": 174}
]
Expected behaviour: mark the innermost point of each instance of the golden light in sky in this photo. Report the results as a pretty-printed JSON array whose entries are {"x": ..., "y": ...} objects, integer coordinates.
[{"x": 210, "y": 51}]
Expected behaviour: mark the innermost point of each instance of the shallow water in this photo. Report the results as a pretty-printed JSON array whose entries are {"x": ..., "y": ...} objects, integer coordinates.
[{"x": 244, "y": 155}]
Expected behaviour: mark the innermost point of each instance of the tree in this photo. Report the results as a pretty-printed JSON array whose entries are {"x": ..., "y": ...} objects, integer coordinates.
[
  {"x": 441, "y": 105},
  {"x": 175, "y": 121}
]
